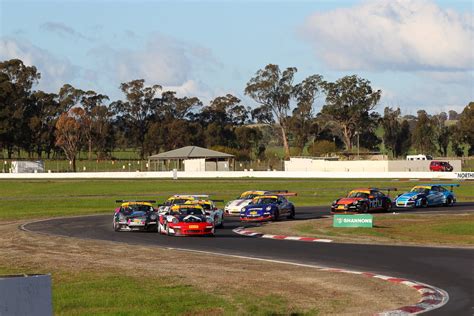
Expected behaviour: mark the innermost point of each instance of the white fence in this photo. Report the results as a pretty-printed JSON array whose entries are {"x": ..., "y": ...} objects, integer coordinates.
[{"x": 242, "y": 174}]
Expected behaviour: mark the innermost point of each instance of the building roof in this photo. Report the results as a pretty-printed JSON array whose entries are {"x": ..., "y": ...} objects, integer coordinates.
[{"x": 190, "y": 152}]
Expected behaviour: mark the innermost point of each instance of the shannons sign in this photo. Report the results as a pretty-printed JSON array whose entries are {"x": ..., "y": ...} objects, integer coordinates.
[{"x": 362, "y": 220}]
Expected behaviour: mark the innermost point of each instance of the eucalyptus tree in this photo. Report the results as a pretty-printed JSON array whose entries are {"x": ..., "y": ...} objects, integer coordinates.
[
  {"x": 138, "y": 110},
  {"x": 273, "y": 89},
  {"x": 16, "y": 82},
  {"x": 349, "y": 102}
]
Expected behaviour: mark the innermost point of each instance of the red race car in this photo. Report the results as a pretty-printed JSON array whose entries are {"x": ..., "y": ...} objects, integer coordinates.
[
  {"x": 186, "y": 220},
  {"x": 363, "y": 201}
]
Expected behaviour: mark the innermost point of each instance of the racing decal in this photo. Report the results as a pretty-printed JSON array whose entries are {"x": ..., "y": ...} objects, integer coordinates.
[{"x": 375, "y": 203}]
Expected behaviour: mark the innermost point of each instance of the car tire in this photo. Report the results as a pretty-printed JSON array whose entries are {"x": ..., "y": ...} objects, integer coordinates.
[
  {"x": 449, "y": 201},
  {"x": 167, "y": 230},
  {"x": 221, "y": 225},
  {"x": 364, "y": 208},
  {"x": 424, "y": 203},
  {"x": 115, "y": 226},
  {"x": 276, "y": 215},
  {"x": 387, "y": 206},
  {"x": 292, "y": 214},
  {"x": 158, "y": 228}
]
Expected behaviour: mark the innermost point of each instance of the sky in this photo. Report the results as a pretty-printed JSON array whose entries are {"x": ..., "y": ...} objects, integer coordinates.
[{"x": 420, "y": 53}]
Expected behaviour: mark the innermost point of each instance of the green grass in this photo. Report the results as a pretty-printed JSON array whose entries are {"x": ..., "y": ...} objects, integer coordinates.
[
  {"x": 43, "y": 198},
  {"x": 106, "y": 293},
  {"x": 455, "y": 229}
]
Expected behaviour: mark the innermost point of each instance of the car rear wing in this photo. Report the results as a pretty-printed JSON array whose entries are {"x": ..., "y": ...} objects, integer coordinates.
[
  {"x": 193, "y": 195},
  {"x": 216, "y": 201},
  {"x": 450, "y": 185},
  {"x": 135, "y": 201},
  {"x": 388, "y": 190},
  {"x": 277, "y": 191},
  {"x": 288, "y": 194}
]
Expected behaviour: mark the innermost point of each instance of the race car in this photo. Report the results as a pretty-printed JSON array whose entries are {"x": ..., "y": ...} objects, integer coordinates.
[
  {"x": 235, "y": 206},
  {"x": 268, "y": 207},
  {"x": 211, "y": 210},
  {"x": 135, "y": 215},
  {"x": 179, "y": 199},
  {"x": 186, "y": 220},
  {"x": 363, "y": 200},
  {"x": 425, "y": 195}
]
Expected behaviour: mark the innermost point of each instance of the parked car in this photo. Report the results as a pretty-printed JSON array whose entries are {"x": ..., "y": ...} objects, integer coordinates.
[
  {"x": 135, "y": 215},
  {"x": 268, "y": 207},
  {"x": 437, "y": 165},
  {"x": 425, "y": 195},
  {"x": 363, "y": 200}
]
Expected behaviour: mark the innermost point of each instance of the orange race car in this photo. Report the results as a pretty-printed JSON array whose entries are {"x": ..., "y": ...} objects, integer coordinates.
[{"x": 363, "y": 201}]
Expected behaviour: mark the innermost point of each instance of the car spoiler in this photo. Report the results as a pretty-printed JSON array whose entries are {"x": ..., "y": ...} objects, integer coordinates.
[
  {"x": 277, "y": 191},
  {"x": 218, "y": 201},
  {"x": 387, "y": 189},
  {"x": 193, "y": 195},
  {"x": 125, "y": 201},
  {"x": 288, "y": 193},
  {"x": 450, "y": 185}
]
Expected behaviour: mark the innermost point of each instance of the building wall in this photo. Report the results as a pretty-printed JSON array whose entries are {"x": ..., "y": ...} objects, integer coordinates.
[
  {"x": 306, "y": 164},
  {"x": 193, "y": 165}
]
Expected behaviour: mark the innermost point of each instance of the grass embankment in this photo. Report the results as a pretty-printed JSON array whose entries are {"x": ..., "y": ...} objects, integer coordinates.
[
  {"x": 46, "y": 198},
  {"x": 415, "y": 229},
  {"x": 106, "y": 278}
]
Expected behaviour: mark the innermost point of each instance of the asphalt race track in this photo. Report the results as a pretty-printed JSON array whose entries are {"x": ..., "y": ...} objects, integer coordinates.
[{"x": 450, "y": 269}]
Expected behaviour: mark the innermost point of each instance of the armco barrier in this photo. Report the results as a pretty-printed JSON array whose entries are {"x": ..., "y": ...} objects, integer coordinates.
[{"x": 243, "y": 174}]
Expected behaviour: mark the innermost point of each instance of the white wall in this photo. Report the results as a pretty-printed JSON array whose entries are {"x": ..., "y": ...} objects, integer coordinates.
[
  {"x": 305, "y": 164},
  {"x": 241, "y": 174},
  {"x": 191, "y": 165}
]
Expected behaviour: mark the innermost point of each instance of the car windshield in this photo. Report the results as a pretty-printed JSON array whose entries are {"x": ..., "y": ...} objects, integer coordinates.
[
  {"x": 358, "y": 194},
  {"x": 187, "y": 211},
  {"x": 137, "y": 208},
  {"x": 420, "y": 190},
  {"x": 266, "y": 200}
]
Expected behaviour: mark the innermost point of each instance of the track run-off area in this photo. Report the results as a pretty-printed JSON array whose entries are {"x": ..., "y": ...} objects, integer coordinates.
[{"x": 447, "y": 268}]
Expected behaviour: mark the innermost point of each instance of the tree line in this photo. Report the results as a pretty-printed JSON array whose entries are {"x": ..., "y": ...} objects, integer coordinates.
[{"x": 151, "y": 119}]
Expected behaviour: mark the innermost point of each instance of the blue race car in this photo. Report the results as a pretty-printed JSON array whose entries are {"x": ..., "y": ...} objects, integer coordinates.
[
  {"x": 268, "y": 207},
  {"x": 425, "y": 195}
]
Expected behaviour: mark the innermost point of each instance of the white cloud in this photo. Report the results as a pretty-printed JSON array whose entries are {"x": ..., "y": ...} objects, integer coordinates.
[
  {"x": 63, "y": 30},
  {"x": 162, "y": 60},
  {"x": 54, "y": 71},
  {"x": 405, "y": 35}
]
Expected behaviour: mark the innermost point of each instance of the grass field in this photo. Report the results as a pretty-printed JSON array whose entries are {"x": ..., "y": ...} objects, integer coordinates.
[
  {"x": 420, "y": 229},
  {"x": 90, "y": 277},
  {"x": 43, "y": 198}
]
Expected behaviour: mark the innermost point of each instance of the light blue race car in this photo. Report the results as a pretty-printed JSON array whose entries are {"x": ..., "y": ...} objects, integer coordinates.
[{"x": 425, "y": 195}]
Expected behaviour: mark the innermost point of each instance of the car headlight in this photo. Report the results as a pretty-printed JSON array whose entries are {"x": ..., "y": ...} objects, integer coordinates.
[
  {"x": 175, "y": 220},
  {"x": 153, "y": 217},
  {"x": 268, "y": 208},
  {"x": 355, "y": 203},
  {"x": 228, "y": 203},
  {"x": 414, "y": 197},
  {"x": 209, "y": 220},
  {"x": 121, "y": 217}
]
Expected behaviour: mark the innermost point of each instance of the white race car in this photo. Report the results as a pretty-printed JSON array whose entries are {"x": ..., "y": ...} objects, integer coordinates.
[{"x": 235, "y": 206}]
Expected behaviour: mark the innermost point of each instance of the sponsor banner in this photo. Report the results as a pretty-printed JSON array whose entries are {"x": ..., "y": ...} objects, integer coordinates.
[
  {"x": 360, "y": 220},
  {"x": 465, "y": 175}
]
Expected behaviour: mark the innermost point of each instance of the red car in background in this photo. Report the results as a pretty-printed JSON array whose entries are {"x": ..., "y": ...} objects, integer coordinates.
[{"x": 436, "y": 165}]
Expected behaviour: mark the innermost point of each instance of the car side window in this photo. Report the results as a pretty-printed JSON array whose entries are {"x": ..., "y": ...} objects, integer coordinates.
[{"x": 435, "y": 189}]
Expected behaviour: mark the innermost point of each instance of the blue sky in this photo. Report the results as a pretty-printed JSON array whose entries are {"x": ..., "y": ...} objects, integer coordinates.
[{"x": 419, "y": 53}]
